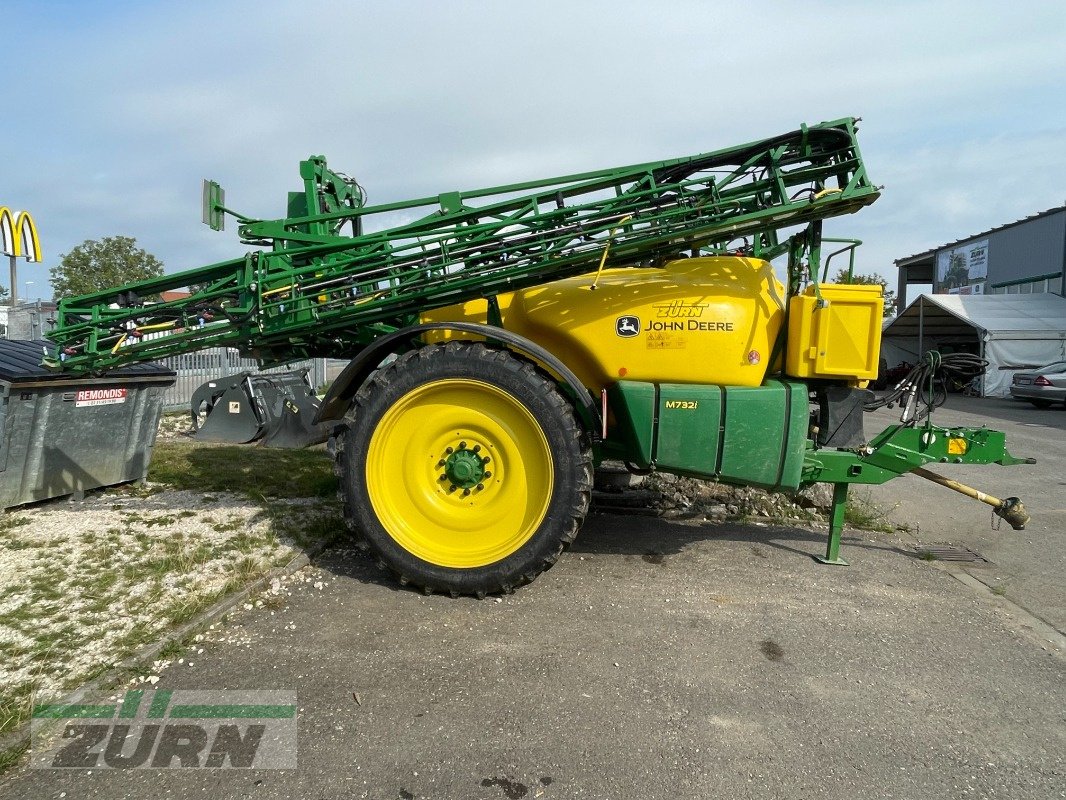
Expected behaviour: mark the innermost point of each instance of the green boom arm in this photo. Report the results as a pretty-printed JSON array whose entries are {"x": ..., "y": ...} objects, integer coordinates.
[{"x": 323, "y": 287}]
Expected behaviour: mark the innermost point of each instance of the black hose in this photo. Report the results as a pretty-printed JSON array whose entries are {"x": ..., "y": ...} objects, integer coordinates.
[{"x": 925, "y": 387}]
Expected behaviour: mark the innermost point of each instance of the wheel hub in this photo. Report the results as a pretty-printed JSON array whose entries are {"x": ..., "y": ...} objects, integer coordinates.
[{"x": 463, "y": 468}]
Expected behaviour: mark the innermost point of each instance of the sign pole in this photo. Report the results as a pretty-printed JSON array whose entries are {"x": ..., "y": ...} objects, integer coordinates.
[{"x": 14, "y": 282}]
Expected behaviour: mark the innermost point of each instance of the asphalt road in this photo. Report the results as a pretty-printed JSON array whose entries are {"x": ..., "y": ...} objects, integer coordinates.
[
  {"x": 1026, "y": 566},
  {"x": 656, "y": 660}
]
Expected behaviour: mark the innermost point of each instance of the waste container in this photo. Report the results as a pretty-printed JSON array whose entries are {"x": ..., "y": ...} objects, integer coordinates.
[{"x": 62, "y": 434}]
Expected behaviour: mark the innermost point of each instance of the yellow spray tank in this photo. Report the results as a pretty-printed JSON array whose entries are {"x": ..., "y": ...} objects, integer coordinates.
[{"x": 707, "y": 320}]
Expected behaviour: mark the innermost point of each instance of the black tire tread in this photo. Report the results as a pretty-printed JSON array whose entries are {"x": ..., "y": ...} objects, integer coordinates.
[{"x": 579, "y": 501}]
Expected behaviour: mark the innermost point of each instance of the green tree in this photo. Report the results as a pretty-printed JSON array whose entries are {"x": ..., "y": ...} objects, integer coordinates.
[
  {"x": 99, "y": 264},
  {"x": 870, "y": 280}
]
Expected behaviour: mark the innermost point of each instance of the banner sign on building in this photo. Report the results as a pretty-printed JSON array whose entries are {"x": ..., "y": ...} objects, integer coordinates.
[{"x": 963, "y": 269}]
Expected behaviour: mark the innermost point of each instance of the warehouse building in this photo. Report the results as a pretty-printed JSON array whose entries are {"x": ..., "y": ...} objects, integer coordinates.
[
  {"x": 1000, "y": 294},
  {"x": 1023, "y": 257}
]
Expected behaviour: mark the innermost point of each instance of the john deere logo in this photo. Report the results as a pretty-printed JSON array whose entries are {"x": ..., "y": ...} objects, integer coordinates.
[{"x": 627, "y": 326}]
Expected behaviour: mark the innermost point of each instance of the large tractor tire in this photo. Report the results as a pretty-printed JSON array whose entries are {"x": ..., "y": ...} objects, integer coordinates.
[{"x": 463, "y": 469}]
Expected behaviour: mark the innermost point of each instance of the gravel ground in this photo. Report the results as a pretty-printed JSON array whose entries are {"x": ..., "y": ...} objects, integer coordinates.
[{"x": 84, "y": 583}]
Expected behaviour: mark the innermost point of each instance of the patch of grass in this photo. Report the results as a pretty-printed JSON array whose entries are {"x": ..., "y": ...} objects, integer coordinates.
[
  {"x": 171, "y": 649},
  {"x": 999, "y": 590},
  {"x": 860, "y": 512},
  {"x": 11, "y": 757},
  {"x": 253, "y": 471},
  {"x": 8, "y": 522},
  {"x": 248, "y": 568},
  {"x": 44, "y": 588},
  {"x": 308, "y": 531},
  {"x": 23, "y": 612},
  {"x": 16, "y": 704}
]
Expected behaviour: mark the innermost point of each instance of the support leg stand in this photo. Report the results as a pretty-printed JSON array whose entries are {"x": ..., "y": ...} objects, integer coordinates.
[{"x": 836, "y": 527}]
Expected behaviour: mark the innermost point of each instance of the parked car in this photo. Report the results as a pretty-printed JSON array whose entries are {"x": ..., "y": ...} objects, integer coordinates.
[{"x": 1041, "y": 387}]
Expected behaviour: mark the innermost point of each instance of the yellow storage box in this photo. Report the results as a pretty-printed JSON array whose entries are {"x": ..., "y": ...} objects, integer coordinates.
[{"x": 837, "y": 337}]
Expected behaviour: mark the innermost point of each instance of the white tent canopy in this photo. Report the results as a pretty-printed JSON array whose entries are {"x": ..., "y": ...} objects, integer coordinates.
[{"x": 1013, "y": 331}]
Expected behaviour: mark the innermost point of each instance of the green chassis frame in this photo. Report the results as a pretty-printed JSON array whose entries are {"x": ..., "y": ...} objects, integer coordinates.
[{"x": 894, "y": 452}]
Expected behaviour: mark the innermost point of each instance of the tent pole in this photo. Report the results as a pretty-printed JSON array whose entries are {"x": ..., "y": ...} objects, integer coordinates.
[
  {"x": 981, "y": 393},
  {"x": 921, "y": 324}
]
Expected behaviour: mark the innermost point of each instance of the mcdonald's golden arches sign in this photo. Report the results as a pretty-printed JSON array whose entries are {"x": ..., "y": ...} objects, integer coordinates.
[{"x": 18, "y": 235}]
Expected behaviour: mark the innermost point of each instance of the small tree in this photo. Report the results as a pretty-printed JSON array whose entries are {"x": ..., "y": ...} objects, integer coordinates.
[
  {"x": 96, "y": 265},
  {"x": 870, "y": 280}
]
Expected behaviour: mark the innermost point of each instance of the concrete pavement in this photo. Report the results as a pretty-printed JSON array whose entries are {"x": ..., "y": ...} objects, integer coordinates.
[
  {"x": 656, "y": 660},
  {"x": 1026, "y": 566}
]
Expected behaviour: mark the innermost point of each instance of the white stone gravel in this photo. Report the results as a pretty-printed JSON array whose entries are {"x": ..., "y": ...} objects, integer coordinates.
[{"x": 83, "y": 583}]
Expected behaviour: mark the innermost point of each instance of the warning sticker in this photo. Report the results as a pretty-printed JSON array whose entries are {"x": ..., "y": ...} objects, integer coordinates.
[
  {"x": 100, "y": 397},
  {"x": 665, "y": 341}
]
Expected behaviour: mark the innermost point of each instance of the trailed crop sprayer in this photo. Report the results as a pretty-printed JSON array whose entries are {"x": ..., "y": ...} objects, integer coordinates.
[{"x": 504, "y": 341}]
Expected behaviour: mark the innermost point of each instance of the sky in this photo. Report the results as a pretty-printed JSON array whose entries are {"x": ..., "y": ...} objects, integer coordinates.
[{"x": 115, "y": 111}]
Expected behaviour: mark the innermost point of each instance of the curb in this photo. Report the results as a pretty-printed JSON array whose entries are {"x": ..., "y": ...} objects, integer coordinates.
[
  {"x": 20, "y": 737},
  {"x": 1039, "y": 630}
]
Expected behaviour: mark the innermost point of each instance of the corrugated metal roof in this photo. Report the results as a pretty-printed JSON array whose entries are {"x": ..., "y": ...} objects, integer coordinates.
[{"x": 927, "y": 253}]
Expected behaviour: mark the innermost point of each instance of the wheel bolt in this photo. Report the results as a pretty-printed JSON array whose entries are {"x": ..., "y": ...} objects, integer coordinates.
[
  {"x": 480, "y": 486},
  {"x": 443, "y": 478},
  {"x": 450, "y": 450},
  {"x": 488, "y": 474},
  {"x": 466, "y": 492},
  {"x": 477, "y": 448},
  {"x": 462, "y": 445},
  {"x": 452, "y": 488},
  {"x": 486, "y": 460},
  {"x": 441, "y": 463}
]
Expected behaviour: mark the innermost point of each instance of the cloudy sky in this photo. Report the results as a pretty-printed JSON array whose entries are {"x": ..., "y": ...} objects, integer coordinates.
[{"x": 114, "y": 111}]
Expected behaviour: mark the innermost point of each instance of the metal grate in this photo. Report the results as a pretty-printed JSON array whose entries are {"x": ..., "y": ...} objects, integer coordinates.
[{"x": 946, "y": 552}]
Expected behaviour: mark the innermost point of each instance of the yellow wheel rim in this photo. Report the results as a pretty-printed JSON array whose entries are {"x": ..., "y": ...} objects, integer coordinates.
[{"x": 459, "y": 473}]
